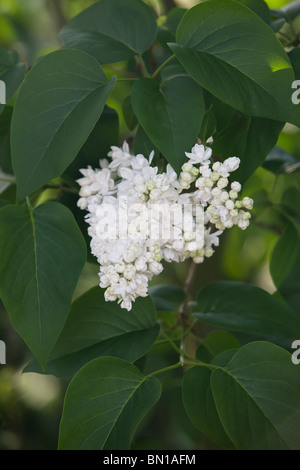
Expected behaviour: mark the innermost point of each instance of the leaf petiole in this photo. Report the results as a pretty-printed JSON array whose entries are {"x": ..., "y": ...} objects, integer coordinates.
[{"x": 157, "y": 71}]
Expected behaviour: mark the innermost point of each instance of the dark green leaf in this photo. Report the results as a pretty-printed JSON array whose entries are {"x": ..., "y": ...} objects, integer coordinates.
[
  {"x": 173, "y": 19},
  {"x": 167, "y": 32},
  {"x": 290, "y": 289},
  {"x": 70, "y": 201},
  {"x": 143, "y": 145},
  {"x": 214, "y": 344},
  {"x": 98, "y": 328},
  {"x": 260, "y": 8},
  {"x": 103, "y": 136},
  {"x": 241, "y": 307},
  {"x": 168, "y": 298},
  {"x": 294, "y": 56},
  {"x": 57, "y": 107},
  {"x": 128, "y": 113},
  {"x": 199, "y": 404},
  {"x": 291, "y": 10},
  {"x": 277, "y": 13},
  {"x": 8, "y": 192},
  {"x": 223, "y": 113},
  {"x": 3, "y": 203},
  {"x": 209, "y": 125},
  {"x": 171, "y": 70},
  {"x": 42, "y": 255},
  {"x": 276, "y": 25},
  {"x": 112, "y": 30},
  {"x": 286, "y": 254},
  {"x": 257, "y": 398},
  {"x": 173, "y": 404},
  {"x": 104, "y": 403},
  {"x": 224, "y": 357},
  {"x": 251, "y": 139},
  {"x": 171, "y": 115},
  {"x": 281, "y": 162},
  {"x": 290, "y": 200},
  {"x": 222, "y": 38}
]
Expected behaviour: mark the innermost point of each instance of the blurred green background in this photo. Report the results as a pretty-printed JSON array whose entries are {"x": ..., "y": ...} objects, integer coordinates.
[{"x": 30, "y": 405}]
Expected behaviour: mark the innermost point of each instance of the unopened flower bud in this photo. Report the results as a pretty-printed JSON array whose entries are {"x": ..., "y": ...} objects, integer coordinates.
[
  {"x": 224, "y": 196},
  {"x": 209, "y": 183},
  {"x": 150, "y": 185},
  {"x": 187, "y": 167},
  {"x": 229, "y": 205},
  {"x": 216, "y": 166},
  {"x": 248, "y": 203},
  {"x": 222, "y": 183},
  {"x": 236, "y": 186},
  {"x": 209, "y": 252},
  {"x": 194, "y": 171},
  {"x": 185, "y": 176},
  {"x": 184, "y": 185},
  {"x": 129, "y": 272},
  {"x": 214, "y": 176},
  {"x": 120, "y": 267},
  {"x": 233, "y": 194},
  {"x": 216, "y": 191}
]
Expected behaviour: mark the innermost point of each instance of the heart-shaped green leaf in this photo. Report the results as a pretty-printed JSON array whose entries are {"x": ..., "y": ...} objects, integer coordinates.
[
  {"x": 257, "y": 398},
  {"x": 42, "y": 255},
  {"x": 98, "y": 328},
  {"x": 219, "y": 43},
  {"x": 247, "y": 398},
  {"x": 112, "y": 30},
  {"x": 171, "y": 114},
  {"x": 57, "y": 107},
  {"x": 286, "y": 254},
  {"x": 237, "y": 306},
  {"x": 104, "y": 403}
]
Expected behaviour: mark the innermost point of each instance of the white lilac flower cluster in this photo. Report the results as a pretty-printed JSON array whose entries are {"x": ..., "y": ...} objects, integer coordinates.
[{"x": 139, "y": 217}]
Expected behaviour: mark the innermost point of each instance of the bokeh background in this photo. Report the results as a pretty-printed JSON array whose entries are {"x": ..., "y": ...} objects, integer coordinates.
[{"x": 30, "y": 404}]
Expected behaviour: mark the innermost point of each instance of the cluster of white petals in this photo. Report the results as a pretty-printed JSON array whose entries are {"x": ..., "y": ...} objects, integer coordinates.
[{"x": 139, "y": 216}]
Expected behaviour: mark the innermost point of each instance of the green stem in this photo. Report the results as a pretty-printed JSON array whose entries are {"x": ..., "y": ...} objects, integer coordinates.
[
  {"x": 184, "y": 308},
  {"x": 157, "y": 71},
  {"x": 163, "y": 341},
  {"x": 171, "y": 342},
  {"x": 184, "y": 363},
  {"x": 165, "y": 369},
  {"x": 6, "y": 180},
  {"x": 62, "y": 187},
  {"x": 127, "y": 79},
  {"x": 202, "y": 364},
  {"x": 29, "y": 204}
]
